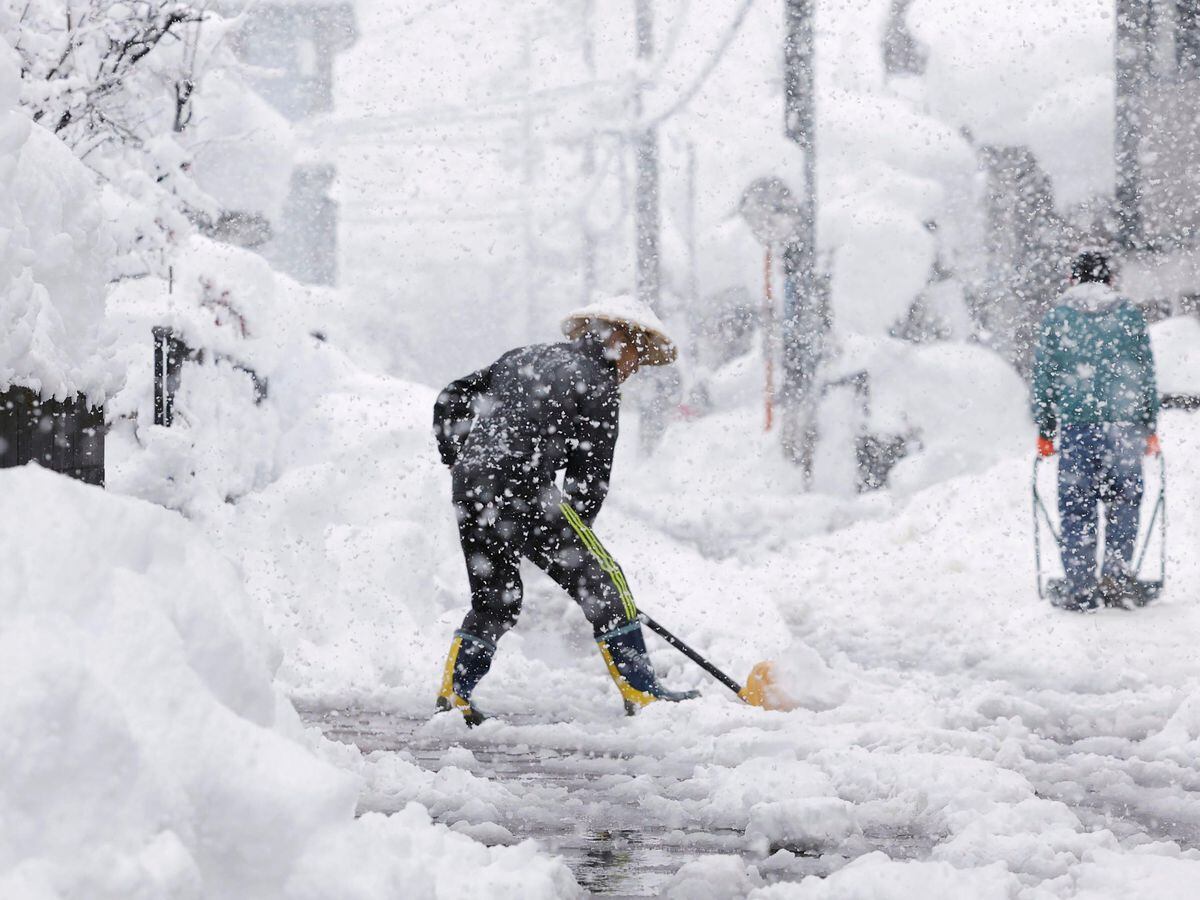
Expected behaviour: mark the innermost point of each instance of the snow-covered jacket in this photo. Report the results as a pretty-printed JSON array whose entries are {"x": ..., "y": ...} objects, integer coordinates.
[
  {"x": 1093, "y": 362},
  {"x": 532, "y": 413}
]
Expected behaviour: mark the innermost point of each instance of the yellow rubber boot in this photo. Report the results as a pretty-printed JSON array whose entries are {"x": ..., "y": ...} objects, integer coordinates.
[
  {"x": 468, "y": 661},
  {"x": 624, "y": 652}
]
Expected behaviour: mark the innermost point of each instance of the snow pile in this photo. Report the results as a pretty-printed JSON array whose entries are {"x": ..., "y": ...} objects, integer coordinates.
[
  {"x": 255, "y": 329},
  {"x": 801, "y": 678},
  {"x": 353, "y": 547},
  {"x": 809, "y": 824},
  {"x": 145, "y": 751},
  {"x": 53, "y": 260},
  {"x": 719, "y": 482},
  {"x": 1176, "y": 346},
  {"x": 879, "y": 878},
  {"x": 328, "y": 491},
  {"x": 153, "y": 99},
  {"x": 877, "y": 195},
  {"x": 712, "y": 878},
  {"x": 963, "y": 406}
]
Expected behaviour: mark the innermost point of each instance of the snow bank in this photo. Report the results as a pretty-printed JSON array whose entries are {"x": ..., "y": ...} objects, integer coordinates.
[
  {"x": 353, "y": 548},
  {"x": 329, "y": 492},
  {"x": 54, "y": 259},
  {"x": 145, "y": 751},
  {"x": 966, "y": 408},
  {"x": 875, "y": 877},
  {"x": 246, "y": 318},
  {"x": 720, "y": 483},
  {"x": 1176, "y": 346}
]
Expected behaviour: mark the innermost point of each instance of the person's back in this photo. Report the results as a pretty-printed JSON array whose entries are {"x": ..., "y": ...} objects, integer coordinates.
[
  {"x": 1094, "y": 363},
  {"x": 535, "y": 411},
  {"x": 539, "y": 401}
]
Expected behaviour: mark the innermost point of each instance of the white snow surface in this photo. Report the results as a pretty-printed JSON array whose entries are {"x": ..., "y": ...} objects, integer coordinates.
[
  {"x": 1012, "y": 750},
  {"x": 945, "y": 709},
  {"x": 1026, "y": 752},
  {"x": 146, "y": 752},
  {"x": 54, "y": 259},
  {"x": 955, "y": 737}
]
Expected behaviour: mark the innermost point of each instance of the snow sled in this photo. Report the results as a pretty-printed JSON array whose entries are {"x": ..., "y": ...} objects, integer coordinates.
[{"x": 1143, "y": 590}]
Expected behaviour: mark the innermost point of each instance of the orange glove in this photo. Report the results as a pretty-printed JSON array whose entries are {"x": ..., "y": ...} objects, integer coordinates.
[
  {"x": 1045, "y": 446},
  {"x": 1152, "y": 447}
]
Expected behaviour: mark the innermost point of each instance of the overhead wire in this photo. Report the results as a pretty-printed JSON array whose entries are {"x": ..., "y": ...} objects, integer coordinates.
[
  {"x": 488, "y": 110},
  {"x": 710, "y": 66}
]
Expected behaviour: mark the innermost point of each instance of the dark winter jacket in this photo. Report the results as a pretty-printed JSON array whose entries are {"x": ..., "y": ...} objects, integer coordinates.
[
  {"x": 533, "y": 412},
  {"x": 1093, "y": 363}
]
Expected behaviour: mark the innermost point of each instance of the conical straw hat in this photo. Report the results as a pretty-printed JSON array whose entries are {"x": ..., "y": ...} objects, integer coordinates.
[{"x": 650, "y": 336}]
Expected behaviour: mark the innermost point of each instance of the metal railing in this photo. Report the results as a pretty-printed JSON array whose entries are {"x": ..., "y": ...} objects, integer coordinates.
[{"x": 170, "y": 353}]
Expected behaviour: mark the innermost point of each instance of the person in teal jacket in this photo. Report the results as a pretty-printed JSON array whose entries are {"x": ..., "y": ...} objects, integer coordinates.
[{"x": 1094, "y": 387}]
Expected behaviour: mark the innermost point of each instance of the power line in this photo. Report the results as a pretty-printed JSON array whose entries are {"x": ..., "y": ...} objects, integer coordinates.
[
  {"x": 694, "y": 88},
  {"x": 429, "y": 8}
]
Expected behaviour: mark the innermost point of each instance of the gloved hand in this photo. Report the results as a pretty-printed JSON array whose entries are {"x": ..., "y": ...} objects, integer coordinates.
[
  {"x": 1152, "y": 447},
  {"x": 1045, "y": 447}
]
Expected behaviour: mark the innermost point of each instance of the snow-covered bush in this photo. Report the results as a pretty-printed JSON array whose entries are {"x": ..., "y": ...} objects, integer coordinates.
[
  {"x": 245, "y": 318},
  {"x": 54, "y": 253},
  {"x": 124, "y": 86}
]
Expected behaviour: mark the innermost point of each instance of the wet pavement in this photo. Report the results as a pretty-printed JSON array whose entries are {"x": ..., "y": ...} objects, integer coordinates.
[
  {"x": 612, "y": 852},
  {"x": 613, "y": 844}
]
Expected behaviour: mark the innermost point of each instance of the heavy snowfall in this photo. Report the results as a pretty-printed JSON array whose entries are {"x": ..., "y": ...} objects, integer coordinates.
[{"x": 821, "y": 245}]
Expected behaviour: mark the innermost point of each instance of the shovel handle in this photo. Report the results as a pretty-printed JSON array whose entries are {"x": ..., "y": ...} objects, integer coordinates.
[{"x": 690, "y": 653}]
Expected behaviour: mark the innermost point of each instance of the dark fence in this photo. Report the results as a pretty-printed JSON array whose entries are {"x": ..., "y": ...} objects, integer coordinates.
[{"x": 65, "y": 436}]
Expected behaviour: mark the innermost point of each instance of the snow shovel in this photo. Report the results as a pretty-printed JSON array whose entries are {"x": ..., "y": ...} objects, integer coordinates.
[
  {"x": 1147, "y": 589},
  {"x": 757, "y": 690}
]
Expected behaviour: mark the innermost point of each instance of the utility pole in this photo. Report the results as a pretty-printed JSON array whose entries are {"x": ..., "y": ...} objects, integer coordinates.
[
  {"x": 646, "y": 151},
  {"x": 806, "y": 319},
  {"x": 648, "y": 277},
  {"x": 586, "y": 235},
  {"x": 528, "y": 258},
  {"x": 1133, "y": 54},
  {"x": 693, "y": 274}
]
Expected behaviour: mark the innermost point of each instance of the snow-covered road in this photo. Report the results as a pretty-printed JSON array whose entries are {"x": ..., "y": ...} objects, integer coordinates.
[{"x": 957, "y": 738}]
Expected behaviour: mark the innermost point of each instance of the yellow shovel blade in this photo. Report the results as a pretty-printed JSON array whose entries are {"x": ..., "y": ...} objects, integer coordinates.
[{"x": 761, "y": 690}]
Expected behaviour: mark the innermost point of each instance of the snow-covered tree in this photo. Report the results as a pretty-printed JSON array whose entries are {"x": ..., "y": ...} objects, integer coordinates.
[{"x": 121, "y": 83}]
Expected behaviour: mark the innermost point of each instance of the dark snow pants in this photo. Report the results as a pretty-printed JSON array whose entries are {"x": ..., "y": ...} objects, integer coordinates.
[
  {"x": 1099, "y": 464},
  {"x": 498, "y": 524}
]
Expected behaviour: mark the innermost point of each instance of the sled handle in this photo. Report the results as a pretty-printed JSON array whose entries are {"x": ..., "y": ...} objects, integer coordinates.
[
  {"x": 1037, "y": 531},
  {"x": 1159, "y": 516}
]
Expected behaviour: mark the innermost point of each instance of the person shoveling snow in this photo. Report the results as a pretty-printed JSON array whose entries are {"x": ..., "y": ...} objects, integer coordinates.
[
  {"x": 505, "y": 432},
  {"x": 1094, "y": 384}
]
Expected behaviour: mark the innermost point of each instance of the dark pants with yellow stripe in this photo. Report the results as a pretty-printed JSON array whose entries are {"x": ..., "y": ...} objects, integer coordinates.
[{"x": 498, "y": 525}]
